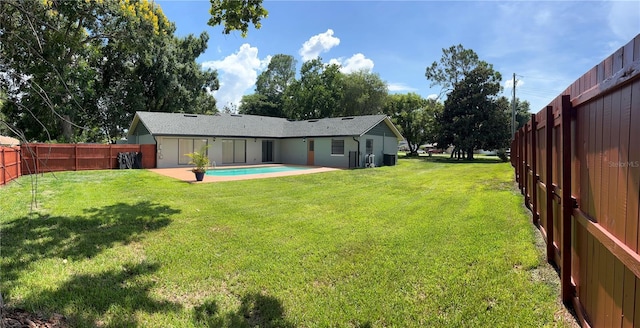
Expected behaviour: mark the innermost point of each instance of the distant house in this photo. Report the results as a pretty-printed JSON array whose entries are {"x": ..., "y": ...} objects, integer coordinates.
[
  {"x": 345, "y": 142},
  {"x": 9, "y": 141}
]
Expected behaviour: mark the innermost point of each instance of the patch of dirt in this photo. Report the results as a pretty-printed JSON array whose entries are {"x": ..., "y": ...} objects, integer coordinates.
[{"x": 14, "y": 318}]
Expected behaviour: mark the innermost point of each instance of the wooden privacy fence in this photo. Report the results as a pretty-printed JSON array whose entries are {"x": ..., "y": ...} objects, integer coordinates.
[
  {"x": 9, "y": 164},
  {"x": 41, "y": 158},
  {"x": 577, "y": 162}
]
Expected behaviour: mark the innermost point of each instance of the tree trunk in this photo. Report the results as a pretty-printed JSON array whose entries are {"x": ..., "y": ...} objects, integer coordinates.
[
  {"x": 470, "y": 154},
  {"x": 67, "y": 129}
]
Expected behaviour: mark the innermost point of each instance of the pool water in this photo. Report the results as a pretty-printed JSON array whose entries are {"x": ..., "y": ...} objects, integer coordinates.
[{"x": 253, "y": 170}]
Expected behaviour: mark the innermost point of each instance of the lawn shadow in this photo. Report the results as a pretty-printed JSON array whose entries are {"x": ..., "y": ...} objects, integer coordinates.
[
  {"x": 39, "y": 236},
  {"x": 256, "y": 310},
  {"x": 107, "y": 299}
]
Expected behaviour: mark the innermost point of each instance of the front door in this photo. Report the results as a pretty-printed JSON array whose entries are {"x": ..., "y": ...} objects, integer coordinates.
[{"x": 310, "y": 150}]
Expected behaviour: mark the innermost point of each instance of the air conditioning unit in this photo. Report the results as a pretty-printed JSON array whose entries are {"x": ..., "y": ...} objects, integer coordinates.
[{"x": 370, "y": 160}]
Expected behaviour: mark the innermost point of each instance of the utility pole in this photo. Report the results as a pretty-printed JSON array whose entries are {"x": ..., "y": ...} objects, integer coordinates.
[{"x": 513, "y": 109}]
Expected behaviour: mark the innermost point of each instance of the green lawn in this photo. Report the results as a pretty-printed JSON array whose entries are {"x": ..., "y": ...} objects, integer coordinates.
[{"x": 423, "y": 243}]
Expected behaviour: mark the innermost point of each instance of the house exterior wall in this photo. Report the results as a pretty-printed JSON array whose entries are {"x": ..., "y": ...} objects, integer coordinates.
[
  {"x": 293, "y": 151},
  {"x": 168, "y": 154},
  {"x": 286, "y": 151},
  {"x": 382, "y": 145},
  {"x": 141, "y": 136}
]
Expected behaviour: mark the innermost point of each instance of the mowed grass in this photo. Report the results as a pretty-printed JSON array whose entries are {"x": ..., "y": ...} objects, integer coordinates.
[{"x": 423, "y": 243}]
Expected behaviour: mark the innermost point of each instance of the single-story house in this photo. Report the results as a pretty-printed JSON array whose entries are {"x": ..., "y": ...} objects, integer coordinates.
[{"x": 233, "y": 139}]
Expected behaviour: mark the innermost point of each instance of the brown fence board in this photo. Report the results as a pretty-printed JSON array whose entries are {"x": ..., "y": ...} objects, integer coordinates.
[
  {"x": 618, "y": 287},
  {"x": 74, "y": 157},
  {"x": 9, "y": 164},
  {"x": 636, "y": 312},
  {"x": 628, "y": 298},
  {"x": 623, "y": 171},
  {"x": 633, "y": 211},
  {"x": 581, "y": 166},
  {"x": 616, "y": 221}
]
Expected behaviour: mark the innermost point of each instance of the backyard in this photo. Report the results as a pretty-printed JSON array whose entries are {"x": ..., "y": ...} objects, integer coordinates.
[{"x": 424, "y": 243}]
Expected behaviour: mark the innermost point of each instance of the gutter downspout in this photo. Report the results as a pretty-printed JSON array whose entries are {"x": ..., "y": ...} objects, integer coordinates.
[{"x": 358, "y": 152}]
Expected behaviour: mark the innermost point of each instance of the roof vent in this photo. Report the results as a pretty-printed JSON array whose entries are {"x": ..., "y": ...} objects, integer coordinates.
[
  {"x": 190, "y": 115},
  {"x": 347, "y": 118}
]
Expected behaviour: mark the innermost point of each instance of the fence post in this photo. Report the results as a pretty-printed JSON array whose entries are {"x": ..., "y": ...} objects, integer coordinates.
[
  {"x": 521, "y": 155},
  {"x": 549, "y": 183},
  {"x": 37, "y": 160},
  {"x": 526, "y": 167},
  {"x": 567, "y": 203},
  {"x": 75, "y": 155},
  {"x": 534, "y": 170},
  {"x": 3, "y": 166}
]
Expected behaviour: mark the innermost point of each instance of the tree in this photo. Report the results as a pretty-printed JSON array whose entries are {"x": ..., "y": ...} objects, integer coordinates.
[
  {"x": 258, "y": 104},
  {"x": 473, "y": 116},
  {"x": 523, "y": 114},
  {"x": 280, "y": 73},
  {"x": 78, "y": 70},
  {"x": 271, "y": 86},
  {"x": 237, "y": 14},
  {"x": 415, "y": 117},
  {"x": 364, "y": 93},
  {"x": 317, "y": 94},
  {"x": 91, "y": 65},
  {"x": 456, "y": 62}
]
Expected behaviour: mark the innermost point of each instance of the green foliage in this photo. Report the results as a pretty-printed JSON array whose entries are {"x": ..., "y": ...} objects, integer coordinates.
[
  {"x": 364, "y": 93},
  {"x": 455, "y": 64},
  {"x": 473, "y": 116},
  {"x": 271, "y": 86},
  {"x": 258, "y": 104},
  {"x": 235, "y": 15},
  {"x": 523, "y": 113},
  {"x": 323, "y": 91},
  {"x": 446, "y": 245},
  {"x": 317, "y": 94},
  {"x": 279, "y": 75},
  {"x": 502, "y": 154},
  {"x": 199, "y": 159},
  {"x": 415, "y": 117},
  {"x": 92, "y": 64}
]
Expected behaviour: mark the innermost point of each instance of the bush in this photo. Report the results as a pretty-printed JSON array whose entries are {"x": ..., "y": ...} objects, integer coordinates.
[{"x": 502, "y": 154}]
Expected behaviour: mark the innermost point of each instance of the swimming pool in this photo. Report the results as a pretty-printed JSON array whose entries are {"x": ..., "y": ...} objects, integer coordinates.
[{"x": 254, "y": 170}]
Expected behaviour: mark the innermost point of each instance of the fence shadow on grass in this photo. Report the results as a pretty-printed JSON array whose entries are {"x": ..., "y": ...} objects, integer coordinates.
[
  {"x": 39, "y": 237},
  {"x": 256, "y": 310},
  {"x": 446, "y": 159}
]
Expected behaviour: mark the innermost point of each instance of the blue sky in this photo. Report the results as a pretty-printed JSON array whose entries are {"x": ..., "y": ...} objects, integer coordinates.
[{"x": 548, "y": 44}]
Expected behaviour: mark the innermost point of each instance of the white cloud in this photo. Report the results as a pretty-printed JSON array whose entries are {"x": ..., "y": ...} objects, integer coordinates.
[
  {"x": 397, "y": 87},
  {"x": 355, "y": 63},
  {"x": 318, "y": 44},
  {"x": 624, "y": 19},
  {"x": 508, "y": 84},
  {"x": 237, "y": 73},
  {"x": 432, "y": 96}
]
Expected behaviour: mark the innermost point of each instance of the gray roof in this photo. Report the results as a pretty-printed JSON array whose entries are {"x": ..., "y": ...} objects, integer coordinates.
[{"x": 232, "y": 125}]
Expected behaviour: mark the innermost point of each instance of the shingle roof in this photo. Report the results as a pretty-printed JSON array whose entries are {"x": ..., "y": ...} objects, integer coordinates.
[{"x": 232, "y": 125}]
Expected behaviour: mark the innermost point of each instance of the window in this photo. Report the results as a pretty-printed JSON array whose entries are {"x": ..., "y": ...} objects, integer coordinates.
[
  {"x": 337, "y": 147},
  {"x": 369, "y": 146},
  {"x": 233, "y": 151},
  {"x": 186, "y": 146}
]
